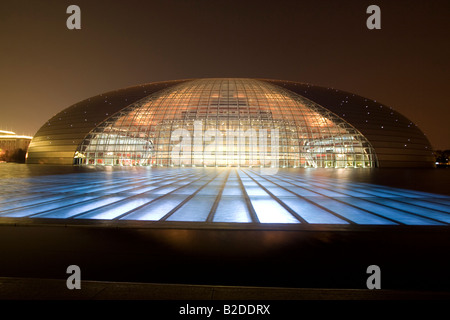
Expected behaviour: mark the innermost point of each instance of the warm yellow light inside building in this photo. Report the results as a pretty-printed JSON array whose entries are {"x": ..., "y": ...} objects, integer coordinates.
[{"x": 226, "y": 122}]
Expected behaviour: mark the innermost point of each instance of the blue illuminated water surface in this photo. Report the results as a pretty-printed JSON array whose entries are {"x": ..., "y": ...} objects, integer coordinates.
[{"x": 228, "y": 195}]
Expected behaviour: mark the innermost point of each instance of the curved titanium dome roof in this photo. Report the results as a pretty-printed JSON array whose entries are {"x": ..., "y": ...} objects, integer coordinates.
[{"x": 230, "y": 122}]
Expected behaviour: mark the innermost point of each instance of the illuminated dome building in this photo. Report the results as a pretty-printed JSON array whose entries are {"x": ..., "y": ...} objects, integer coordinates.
[{"x": 230, "y": 122}]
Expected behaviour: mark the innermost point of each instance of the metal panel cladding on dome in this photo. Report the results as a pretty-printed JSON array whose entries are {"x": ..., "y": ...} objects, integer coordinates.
[{"x": 225, "y": 122}]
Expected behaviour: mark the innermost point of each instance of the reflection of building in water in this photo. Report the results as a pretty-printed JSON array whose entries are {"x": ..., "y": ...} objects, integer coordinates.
[
  {"x": 230, "y": 122},
  {"x": 13, "y": 147}
]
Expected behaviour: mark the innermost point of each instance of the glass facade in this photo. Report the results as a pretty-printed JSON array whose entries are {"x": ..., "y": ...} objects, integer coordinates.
[
  {"x": 59, "y": 137},
  {"x": 397, "y": 140},
  {"x": 225, "y": 122}
]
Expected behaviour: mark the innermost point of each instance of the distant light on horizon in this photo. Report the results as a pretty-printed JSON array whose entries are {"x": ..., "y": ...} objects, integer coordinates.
[
  {"x": 7, "y": 132},
  {"x": 10, "y": 134}
]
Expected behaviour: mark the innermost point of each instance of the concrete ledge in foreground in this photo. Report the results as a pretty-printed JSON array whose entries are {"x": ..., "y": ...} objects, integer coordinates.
[{"x": 55, "y": 289}]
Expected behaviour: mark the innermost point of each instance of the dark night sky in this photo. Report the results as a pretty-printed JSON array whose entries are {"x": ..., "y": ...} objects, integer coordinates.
[{"x": 44, "y": 67}]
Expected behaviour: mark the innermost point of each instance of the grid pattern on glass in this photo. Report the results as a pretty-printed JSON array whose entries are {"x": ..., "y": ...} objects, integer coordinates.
[
  {"x": 226, "y": 122},
  {"x": 396, "y": 138},
  {"x": 214, "y": 197}
]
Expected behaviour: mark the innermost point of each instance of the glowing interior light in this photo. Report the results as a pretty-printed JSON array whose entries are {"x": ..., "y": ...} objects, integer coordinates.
[{"x": 142, "y": 133}]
